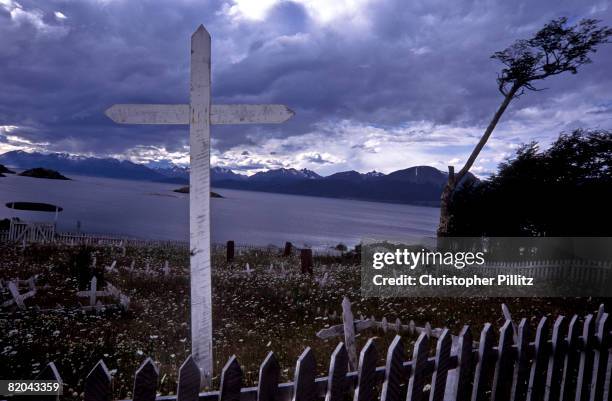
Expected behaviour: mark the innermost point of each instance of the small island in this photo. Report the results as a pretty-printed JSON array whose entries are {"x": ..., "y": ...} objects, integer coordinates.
[
  {"x": 4, "y": 170},
  {"x": 185, "y": 190},
  {"x": 40, "y": 172}
]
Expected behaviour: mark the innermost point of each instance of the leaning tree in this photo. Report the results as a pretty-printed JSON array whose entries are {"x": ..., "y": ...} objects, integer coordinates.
[{"x": 553, "y": 50}]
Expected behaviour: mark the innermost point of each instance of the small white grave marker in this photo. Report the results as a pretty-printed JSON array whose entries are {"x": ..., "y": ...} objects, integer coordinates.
[
  {"x": 93, "y": 289},
  {"x": 199, "y": 114},
  {"x": 323, "y": 281},
  {"x": 112, "y": 268},
  {"x": 17, "y": 297},
  {"x": 93, "y": 294}
]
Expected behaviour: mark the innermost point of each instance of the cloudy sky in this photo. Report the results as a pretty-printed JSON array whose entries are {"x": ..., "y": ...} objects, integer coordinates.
[{"x": 378, "y": 85}]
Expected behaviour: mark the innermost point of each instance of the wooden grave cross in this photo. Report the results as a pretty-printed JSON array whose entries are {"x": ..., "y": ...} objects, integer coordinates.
[
  {"x": 199, "y": 114},
  {"x": 18, "y": 298}
]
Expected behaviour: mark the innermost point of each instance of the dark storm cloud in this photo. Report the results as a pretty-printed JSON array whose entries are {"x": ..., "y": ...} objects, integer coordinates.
[
  {"x": 317, "y": 159},
  {"x": 406, "y": 61}
]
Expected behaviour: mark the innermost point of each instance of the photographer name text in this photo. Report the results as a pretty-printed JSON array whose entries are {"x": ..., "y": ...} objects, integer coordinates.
[{"x": 428, "y": 280}]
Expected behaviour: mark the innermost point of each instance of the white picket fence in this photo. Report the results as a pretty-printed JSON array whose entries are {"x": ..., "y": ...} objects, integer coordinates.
[
  {"x": 44, "y": 232},
  {"x": 20, "y": 231}
]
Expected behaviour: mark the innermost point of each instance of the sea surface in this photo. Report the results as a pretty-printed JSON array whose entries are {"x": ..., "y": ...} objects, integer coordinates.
[{"x": 152, "y": 210}]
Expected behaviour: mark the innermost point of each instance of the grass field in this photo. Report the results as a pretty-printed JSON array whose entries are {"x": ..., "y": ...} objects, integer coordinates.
[{"x": 252, "y": 314}]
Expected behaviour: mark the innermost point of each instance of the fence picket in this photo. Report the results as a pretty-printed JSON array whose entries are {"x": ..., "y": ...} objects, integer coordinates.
[
  {"x": 419, "y": 365},
  {"x": 601, "y": 358},
  {"x": 366, "y": 379},
  {"x": 269, "y": 374},
  {"x": 50, "y": 372},
  {"x": 98, "y": 383},
  {"x": 600, "y": 312},
  {"x": 188, "y": 381},
  {"x": 484, "y": 366},
  {"x": 537, "y": 377},
  {"x": 349, "y": 332},
  {"x": 557, "y": 360},
  {"x": 305, "y": 372},
  {"x": 505, "y": 364},
  {"x": 145, "y": 381},
  {"x": 571, "y": 360},
  {"x": 337, "y": 384},
  {"x": 463, "y": 389},
  {"x": 391, "y": 389},
  {"x": 438, "y": 381},
  {"x": 231, "y": 381},
  {"x": 573, "y": 365},
  {"x": 520, "y": 377},
  {"x": 585, "y": 367}
]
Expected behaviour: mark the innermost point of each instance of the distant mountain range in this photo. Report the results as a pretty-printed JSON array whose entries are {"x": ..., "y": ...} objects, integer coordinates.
[
  {"x": 415, "y": 185},
  {"x": 82, "y": 165},
  {"x": 420, "y": 185}
]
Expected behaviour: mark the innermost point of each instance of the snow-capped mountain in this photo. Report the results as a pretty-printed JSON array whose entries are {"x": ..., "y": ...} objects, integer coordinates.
[
  {"x": 285, "y": 174},
  {"x": 174, "y": 173},
  {"x": 374, "y": 174},
  {"x": 82, "y": 165},
  {"x": 223, "y": 173}
]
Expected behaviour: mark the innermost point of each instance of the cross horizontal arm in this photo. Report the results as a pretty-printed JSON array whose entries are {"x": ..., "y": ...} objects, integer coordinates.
[
  {"x": 250, "y": 113},
  {"x": 149, "y": 113},
  {"x": 179, "y": 113}
]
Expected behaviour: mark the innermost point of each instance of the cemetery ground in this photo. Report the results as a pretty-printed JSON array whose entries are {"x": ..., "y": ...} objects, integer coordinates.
[{"x": 274, "y": 307}]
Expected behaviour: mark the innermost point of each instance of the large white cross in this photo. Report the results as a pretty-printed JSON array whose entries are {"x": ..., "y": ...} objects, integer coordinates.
[{"x": 199, "y": 114}]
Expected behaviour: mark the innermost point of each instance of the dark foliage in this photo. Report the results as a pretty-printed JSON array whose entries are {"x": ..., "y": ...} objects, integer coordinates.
[
  {"x": 5, "y": 170},
  {"x": 563, "y": 191},
  {"x": 554, "y": 49},
  {"x": 80, "y": 267}
]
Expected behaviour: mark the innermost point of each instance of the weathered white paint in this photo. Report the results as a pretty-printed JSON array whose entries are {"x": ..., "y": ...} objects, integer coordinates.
[
  {"x": 199, "y": 114},
  {"x": 93, "y": 291},
  {"x": 93, "y": 294},
  {"x": 220, "y": 114},
  {"x": 349, "y": 332},
  {"x": 149, "y": 113},
  {"x": 199, "y": 203},
  {"x": 17, "y": 297},
  {"x": 250, "y": 114}
]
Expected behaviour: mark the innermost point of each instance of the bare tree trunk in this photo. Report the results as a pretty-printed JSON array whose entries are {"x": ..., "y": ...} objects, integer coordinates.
[
  {"x": 446, "y": 216},
  {"x": 445, "y": 223}
]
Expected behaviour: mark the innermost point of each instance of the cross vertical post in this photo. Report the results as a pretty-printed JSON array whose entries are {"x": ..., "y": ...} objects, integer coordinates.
[
  {"x": 199, "y": 203},
  {"x": 199, "y": 114}
]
